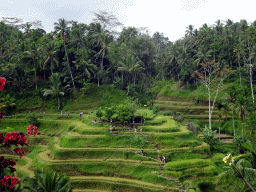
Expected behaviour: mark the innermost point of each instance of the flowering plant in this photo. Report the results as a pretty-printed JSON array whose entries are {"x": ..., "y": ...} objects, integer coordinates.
[
  {"x": 228, "y": 159},
  {"x": 11, "y": 138},
  {"x": 240, "y": 174}
]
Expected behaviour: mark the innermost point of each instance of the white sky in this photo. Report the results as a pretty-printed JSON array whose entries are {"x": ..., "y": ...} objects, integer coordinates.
[{"x": 170, "y": 17}]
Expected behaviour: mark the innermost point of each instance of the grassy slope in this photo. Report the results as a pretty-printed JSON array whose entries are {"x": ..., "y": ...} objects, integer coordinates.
[{"x": 52, "y": 123}]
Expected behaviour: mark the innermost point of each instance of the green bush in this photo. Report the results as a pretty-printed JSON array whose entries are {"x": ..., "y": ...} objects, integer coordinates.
[
  {"x": 32, "y": 119},
  {"x": 124, "y": 114},
  {"x": 99, "y": 113},
  {"x": 109, "y": 112}
]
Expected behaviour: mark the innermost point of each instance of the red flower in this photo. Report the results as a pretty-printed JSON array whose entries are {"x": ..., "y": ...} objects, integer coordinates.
[
  {"x": 14, "y": 181},
  {"x": 32, "y": 128},
  {"x": 9, "y": 138},
  {"x": 3, "y": 182},
  {"x": 17, "y": 149},
  {"x": 14, "y": 138},
  {"x": 10, "y": 181},
  {"x": 2, "y": 83}
]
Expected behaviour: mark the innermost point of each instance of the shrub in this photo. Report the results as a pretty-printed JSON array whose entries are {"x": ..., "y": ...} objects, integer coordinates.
[
  {"x": 109, "y": 112},
  {"x": 99, "y": 113},
  {"x": 124, "y": 113},
  {"x": 32, "y": 119}
]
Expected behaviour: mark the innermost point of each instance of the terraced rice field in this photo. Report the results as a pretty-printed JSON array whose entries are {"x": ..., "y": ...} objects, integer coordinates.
[{"x": 96, "y": 160}]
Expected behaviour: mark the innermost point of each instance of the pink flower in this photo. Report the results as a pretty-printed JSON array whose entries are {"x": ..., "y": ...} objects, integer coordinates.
[
  {"x": 2, "y": 83},
  {"x": 32, "y": 128}
]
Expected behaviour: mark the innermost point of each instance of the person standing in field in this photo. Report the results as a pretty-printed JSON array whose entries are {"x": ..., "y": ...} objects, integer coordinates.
[
  {"x": 135, "y": 131},
  {"x": 68, "y": 114},
  {"x": 163, "y": 159}
]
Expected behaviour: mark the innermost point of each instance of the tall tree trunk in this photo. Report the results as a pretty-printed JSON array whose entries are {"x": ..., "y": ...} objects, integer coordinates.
[
  {"x": 134, "y": 79},
  {"x": 240, "y": 74},
  {"x": 35, "y": 72},
  {"x": 233, "y": 121},
  {"x": 210, "y": 125},
  {"x": 98, "y": 81},
  {"x": 243, "y": 130},
  {"x": 58, "y": 103},
  {"x": 69, "y": 66},
  {"x": 51, "y": 65},
  {"x": 251, "y": 84},
  {"x": 128, "y": 87}
]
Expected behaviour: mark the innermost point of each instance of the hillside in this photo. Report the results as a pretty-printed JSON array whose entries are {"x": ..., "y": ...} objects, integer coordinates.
[{"x": 96, "y": 160}]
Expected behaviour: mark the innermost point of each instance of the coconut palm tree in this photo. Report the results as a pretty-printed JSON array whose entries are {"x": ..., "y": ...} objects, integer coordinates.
[
  {"x": 78, "y": 35},
  {"x": 62, "y": 28},
  {"x": 85, "y": 64},
  {"x": 56, "y": 88},
  {"x": 47, "y": 181},
  {"x": 27, "y": 27},
  {"x": 105, "y": 45},
  {"x": 35, "y": 54},
  {"x": 131, "y": 66},
  {"x": 50, "y": 51},
  {"x": 189, "y": 30}
]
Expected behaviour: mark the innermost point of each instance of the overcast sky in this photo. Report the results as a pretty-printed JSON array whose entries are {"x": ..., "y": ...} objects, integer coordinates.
[{"x": 170, "y": 17}]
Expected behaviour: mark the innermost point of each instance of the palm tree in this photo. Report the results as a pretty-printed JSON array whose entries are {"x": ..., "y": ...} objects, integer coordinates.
[
  {"x": 49, "y": 49},
  {"x": 78, "y": 34},
  {"x": 27, "y": 27},
  {"x": 48, "y": 181},
  {"x": 239, "y": 51},
  {"x": 34, "y": 53},
  {"x": 85, "y": 64},
  {"x": 203, "y": 55},
  {"x": 56, "y": 89},
  {"x": 131, "y": 66},
  {"x": 62, "y": 28},
  {"x": 189, "y": 30},
  {"x": 105, "y": 45}
]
